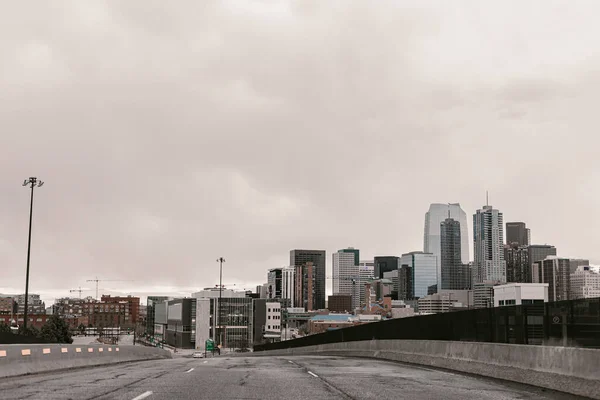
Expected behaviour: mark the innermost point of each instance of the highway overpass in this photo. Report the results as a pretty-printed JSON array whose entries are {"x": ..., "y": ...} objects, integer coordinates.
[{"x": 264, "y": 378}]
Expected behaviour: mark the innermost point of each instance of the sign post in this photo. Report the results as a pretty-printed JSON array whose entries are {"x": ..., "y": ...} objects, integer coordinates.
[{"x": 209, "y": 345}]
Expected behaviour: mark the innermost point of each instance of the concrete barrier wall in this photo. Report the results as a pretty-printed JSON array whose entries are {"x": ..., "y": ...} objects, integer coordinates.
[
  {"x": 567, "y": 369},
  {"x": 19, "y": 359}
]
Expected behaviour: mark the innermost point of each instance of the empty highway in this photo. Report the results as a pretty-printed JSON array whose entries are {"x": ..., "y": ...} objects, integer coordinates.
[{"x": 264, "y": 378}]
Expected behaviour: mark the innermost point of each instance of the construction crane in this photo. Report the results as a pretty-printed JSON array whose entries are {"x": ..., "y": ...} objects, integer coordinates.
[
  {"x": 78, "y": 290},
  {"x": 105, "y": 280}
]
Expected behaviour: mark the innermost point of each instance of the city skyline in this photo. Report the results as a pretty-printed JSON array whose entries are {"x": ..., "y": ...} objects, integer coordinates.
[{"x": 247, "y": 134}]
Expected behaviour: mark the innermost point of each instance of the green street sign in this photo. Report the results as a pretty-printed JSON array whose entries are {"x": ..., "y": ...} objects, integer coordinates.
[{"x": 209, "y": 345}]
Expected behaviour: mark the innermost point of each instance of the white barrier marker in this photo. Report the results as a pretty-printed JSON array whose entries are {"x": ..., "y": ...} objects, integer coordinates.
[
  {"x": 45, "y": 351},
  {"x": 25, "y": 352},
  {"x": 2, "y": 353},
  {"x": 90, "y": 349},
  {"x": 78, "y": 350},
  {"x": 101, "y": 349},
  {"x": 110, "y": 349},
  {"x": 64, "y": 350}
]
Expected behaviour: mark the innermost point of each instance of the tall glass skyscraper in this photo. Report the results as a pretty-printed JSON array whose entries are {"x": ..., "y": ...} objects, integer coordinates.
[
  {"x": 488, "y": 234},
  {"x": 423, "y": 268},
  {"x": 432, "y": 239}
]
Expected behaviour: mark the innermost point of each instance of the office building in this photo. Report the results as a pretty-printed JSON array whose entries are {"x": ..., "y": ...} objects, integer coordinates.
[
  {"x": 585, "y": 283},
  {"x": 267, "y": 321},
  {"x": 483, "y": 294},
  {"x": 445, "y": 301},
  {"x": 228, "y": 323},
  {"x": 518, "y": 267},
  {"x": 181, "y": 323},
  {"x": 538, "y": 252},
  {"x": 517, "y": 234},
  {"x": 423, "y": 267},
  {"x": 366, "y": 273},
  {"x": 488, "y": 236},
  {"x": 274, "y": 282},
  {"x": 287, "y": 284},
  {"x": 151, "y": 302},
  {"x": 512, "y": 294},
  {"x": 455, "y": 275},
  {"x": 556, "y": 272},
  {"x": 432, "y": 239},
  {"x": 405, "y": 283},
  {"x": 393, "y": 276},
  {"x": 346, "y": 277},
  {"x": 575, "y": 263},
  {"x": 305, "y": 287},
  {"x": 340, "y": 303},
  {"x": 318, "y": 260},
  {"x": 385, "y": 264}
]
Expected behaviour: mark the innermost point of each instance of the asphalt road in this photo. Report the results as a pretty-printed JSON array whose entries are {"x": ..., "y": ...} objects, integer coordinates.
[{"x": 265, "y": 378}]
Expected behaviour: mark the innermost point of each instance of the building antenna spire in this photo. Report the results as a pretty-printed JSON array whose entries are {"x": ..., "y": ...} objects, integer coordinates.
[{"x": 487, "y": 203}]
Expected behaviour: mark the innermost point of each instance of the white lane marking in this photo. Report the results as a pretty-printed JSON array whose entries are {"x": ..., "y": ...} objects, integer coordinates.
[
  {"x": 189, "y": 370},
  {"x": 290, "y": 361},
  {"x": 204, "y": 362},
  {"x": 142, "y": 396},
  {"x": 313, "y": 374}
]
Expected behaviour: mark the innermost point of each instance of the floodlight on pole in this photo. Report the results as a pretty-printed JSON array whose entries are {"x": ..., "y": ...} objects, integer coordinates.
[{"x": 32, "y": 182}]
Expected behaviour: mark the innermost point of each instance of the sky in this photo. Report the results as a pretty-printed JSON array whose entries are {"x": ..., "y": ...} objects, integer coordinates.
[{"x": 170, "y": 135}]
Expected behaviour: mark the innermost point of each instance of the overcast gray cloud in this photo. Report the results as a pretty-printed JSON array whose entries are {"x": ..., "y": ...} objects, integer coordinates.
[{"x": 170, "y": 135}]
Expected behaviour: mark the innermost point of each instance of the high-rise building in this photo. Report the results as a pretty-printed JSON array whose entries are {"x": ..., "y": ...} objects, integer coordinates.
[
  {"x": 432, "y": 239},
  {"x": 585, "y": 283},
  {"x": 556, "y": 273},
  {"x": 287, "y": 284},
  {"x": 385, "y": 264},
  {"x": 518, "y": 267},
  {"x": 488, "y": 246},
  {"x": 305, "y": 287},
  {"x": 366, "y": 273},
  {"x": 424, "y": 271},
  {"x": 517, "y": 232},
  {"x": 406, "y": 288},
  {"x": 318, "y": 260},
  {"x": 345, "y": 271},
  {"x": 455, "y": 273},
  {"x": 274, "y": 280},
  {"x": 538, "y": 252}
]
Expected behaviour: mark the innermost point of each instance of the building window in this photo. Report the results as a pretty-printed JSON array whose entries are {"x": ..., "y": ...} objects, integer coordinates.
[{"x": 501, "y": 302}]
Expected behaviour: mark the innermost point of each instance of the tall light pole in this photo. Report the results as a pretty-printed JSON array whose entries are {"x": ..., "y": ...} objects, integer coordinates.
[
  {"x": 220, "y": 260},
  {"x": 32, "y": 182}
]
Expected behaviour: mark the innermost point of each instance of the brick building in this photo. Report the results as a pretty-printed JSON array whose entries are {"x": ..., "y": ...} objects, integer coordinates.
[
  {"x": 340, "y": 303},
  {"x": 132, "y": 307},
  {"x": 35, "y": 320}
]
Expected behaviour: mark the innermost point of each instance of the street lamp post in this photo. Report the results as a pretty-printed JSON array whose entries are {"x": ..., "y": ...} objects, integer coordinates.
[
  {"x": 220, "y": 260},
  {"x": 32, "y": 182}
]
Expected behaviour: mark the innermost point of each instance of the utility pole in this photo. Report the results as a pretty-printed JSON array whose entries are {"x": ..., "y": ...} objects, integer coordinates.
[
  {"x": 220, "y": 260},
  {"x": 32, "y": 182}
]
